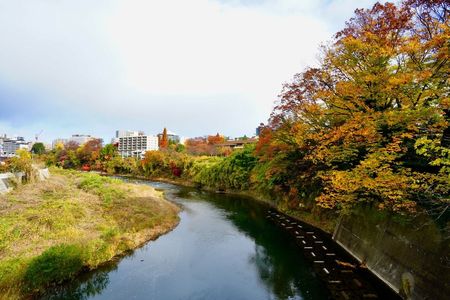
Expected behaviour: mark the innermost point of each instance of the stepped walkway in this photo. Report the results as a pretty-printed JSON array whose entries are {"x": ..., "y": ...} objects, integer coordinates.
[{"x": 345, "y": 277}]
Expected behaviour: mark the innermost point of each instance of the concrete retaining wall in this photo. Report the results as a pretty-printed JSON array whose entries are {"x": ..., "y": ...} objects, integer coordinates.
[
  {"x": 9, "y": 180},
  {"x": 5, "y": 182},
  {"x": 412, "y": 255}
]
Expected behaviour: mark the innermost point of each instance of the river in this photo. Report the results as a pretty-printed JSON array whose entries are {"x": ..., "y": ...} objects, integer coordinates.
[{"x": 223, "y": 248}]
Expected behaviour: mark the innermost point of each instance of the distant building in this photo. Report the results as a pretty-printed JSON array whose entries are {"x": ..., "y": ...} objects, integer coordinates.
[
  {"x": 183, "y": 140},
  {"x": 237, "y": 144},
  {"x": 80, "y": 138},
  {"x": 11, "y": 145},
  {"x": 57, "y": 142},
  {"x": 127, "y": 133},
  {"x": 137, "y": 145},
  {"x": 259, "y": 129}
]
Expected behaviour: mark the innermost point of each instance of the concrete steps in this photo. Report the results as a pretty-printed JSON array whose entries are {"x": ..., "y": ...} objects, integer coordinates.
[{"x": 338, "y": 271}]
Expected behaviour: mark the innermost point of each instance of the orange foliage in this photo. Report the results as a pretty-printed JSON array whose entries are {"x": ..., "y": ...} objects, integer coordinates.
[
  {"x": 350, "y": 125},
  {"x": 215, "y": 139},
  {"x": 164, "y": 140},
  {"x": 205, "y": 145}
]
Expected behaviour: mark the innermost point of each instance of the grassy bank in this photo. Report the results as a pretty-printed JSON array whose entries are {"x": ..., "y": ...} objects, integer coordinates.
[{"x": 52, "y": 230}]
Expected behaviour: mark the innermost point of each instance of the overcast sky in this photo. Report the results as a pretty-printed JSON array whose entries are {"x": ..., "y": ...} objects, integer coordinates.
[{"x": 196, "y": 67}]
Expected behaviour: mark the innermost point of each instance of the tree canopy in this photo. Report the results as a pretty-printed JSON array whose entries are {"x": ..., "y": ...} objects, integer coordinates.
[
  {"x": 371, "y": 122},
  {"x": 38, "y": 148}
]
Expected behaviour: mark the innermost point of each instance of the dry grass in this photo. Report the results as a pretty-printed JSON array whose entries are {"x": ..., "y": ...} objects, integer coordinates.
[{"x": 103, "y": 216}]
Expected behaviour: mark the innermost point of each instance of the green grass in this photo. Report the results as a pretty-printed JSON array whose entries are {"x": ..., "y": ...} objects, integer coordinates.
[
  {"x": 52, "y": 230},
  {"x": 106, "y": 188},
  {"x": 53, "y": 266}
]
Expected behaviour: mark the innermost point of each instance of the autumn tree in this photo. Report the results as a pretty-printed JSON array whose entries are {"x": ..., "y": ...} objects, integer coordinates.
[
  {"x": 215, "y": 139},
  {"x": 21, "y": 162},
  {"x": 89, "y": 152},
  {"x": 108, "y": 152},
  {"x": 205, "y": 145},
  {"x": 366, "y": 125},
  {"x": 71, "y": 145},
  {"x": 153, "y": 163},
  {"x": 197, "y": 146},
  {"x": 164, "y": 140},
  {"x": 109, "y": 159},
  {"x": 66, "y": 157}
]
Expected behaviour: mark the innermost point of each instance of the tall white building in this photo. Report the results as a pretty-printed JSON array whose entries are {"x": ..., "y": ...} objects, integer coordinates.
[{"x": 137, "y": 145}]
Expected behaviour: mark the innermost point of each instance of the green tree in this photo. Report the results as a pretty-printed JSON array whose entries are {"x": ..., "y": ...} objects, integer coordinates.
[
  {"x": 38, "y": 148},
  {"x": 232, "y": 172},
  {"x": 180, "y": 148},
  {"x": 108, "y": 152}
]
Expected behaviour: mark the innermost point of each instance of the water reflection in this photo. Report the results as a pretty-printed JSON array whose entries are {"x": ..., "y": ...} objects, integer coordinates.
[
  {"x": 277, "y": 258},
  {"x": 223, "y": 248},
  {"x": 87, "y": 285}
]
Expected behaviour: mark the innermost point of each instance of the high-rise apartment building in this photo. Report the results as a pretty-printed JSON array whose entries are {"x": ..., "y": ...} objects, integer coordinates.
[{"x": 135, "y": 143}]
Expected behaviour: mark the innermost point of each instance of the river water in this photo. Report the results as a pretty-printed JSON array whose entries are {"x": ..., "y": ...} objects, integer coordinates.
[{"x": 223, "y": 248}]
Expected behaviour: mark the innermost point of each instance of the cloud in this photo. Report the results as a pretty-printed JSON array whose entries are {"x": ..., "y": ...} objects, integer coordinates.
[{"x": 195, "y": 66}]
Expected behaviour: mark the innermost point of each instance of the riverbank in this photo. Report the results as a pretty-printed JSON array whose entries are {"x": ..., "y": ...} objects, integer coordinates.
[
  {"x": 376, "y": 243},
  {"x": 53, "y": 230},
  {"x": 223, "y": 248},
  {"x": 328, "y": 224}
]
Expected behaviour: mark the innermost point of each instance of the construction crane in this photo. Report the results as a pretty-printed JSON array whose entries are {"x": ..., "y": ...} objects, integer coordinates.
[{"x": 36, "y": 136}]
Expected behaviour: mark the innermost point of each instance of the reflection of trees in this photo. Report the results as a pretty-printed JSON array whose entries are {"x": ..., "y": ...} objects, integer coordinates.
[
  {"x": 282, "y": 284},
  {"x": 82, "y": 288},
  {"x": 278, "y": 260}
]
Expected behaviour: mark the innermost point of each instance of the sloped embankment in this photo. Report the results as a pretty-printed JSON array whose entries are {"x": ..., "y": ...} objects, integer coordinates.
[{"x": 50, "y": 231}]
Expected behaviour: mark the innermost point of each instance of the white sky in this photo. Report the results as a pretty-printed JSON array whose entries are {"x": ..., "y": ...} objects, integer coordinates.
[{"x": 196, "y": 67}]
